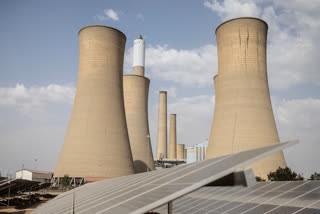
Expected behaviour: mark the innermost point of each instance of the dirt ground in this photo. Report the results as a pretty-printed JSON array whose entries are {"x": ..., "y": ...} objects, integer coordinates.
[{"x": 28, "y": 210}]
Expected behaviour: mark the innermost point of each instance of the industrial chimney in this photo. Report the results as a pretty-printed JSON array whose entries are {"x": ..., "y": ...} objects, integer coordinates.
[
  {"x": 136, "y": 90},
  {"x": 162, "y": 126},
  {"x": 97, "y": 145},
  {"x": 138, "y": 56},
  {"x": 180, "y": 152},
  {"x": 173, "y": 137},
  {"x": 243, "y": 117}
]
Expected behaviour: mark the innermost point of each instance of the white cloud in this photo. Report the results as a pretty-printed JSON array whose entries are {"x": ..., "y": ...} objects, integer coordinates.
[
  {"x": 140, "y": 16},
  {"x": 171, "y": 91},
  {"x": 233, "y": 8},
  {"x": 293, "y": 46},
  {"x": 195, "y": 67},
  {"x": 31, "y": 99},
  {"x": 108, "y": 14},
  {"x": 300, "y": 119},
  {"x": 33, "y": 124},
  {"x": 194, "y": 117}
]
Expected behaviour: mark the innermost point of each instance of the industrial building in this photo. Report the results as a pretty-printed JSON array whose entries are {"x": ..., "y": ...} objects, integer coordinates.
[
  {"x": 243, "y": 135},
  {"x": 96, "y": 145},
  {"x": 34, "y": 175},
  {"x": 136, "y": 92},
  {"x": 196, "y": 152},
  {"x": 243, "y": 117}
]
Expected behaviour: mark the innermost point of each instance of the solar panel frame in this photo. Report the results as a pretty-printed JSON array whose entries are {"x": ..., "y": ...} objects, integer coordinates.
[{"x": 128, "y": 192}]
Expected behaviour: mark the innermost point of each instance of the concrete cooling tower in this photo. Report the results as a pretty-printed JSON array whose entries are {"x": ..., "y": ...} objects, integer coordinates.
[
  {"x": 173, "y": 137},
  {"x": 97, "y": 144},
  {"x": 136, "y": 90},
  {"x": 243, "y": 117},
  {"x": 162, "y": 126},
  {"x": 180, "y": 152}
]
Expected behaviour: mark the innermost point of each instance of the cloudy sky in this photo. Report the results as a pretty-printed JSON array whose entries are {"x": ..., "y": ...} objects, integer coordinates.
[{"x": 39, "y": 65}]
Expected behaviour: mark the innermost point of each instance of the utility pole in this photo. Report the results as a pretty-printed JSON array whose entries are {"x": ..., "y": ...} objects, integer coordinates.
[{"x": 35, "y": 163}]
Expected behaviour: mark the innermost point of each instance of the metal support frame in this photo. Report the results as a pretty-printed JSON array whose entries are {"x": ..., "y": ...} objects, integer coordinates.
[
  {"x": 75, "y": 181},
  {"x": 170, "y": 207}
]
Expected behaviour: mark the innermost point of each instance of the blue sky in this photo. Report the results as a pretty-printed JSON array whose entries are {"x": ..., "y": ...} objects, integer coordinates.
[{"x": 39, "y": 65}]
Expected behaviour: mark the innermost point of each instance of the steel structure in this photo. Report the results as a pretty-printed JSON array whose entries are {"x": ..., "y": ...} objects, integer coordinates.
[
  {"x": 243, "y": 117},
  {"x": 147, "y": 191}
]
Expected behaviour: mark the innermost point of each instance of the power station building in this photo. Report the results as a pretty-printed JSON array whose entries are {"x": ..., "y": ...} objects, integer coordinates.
[
  {"x": 136, "y": 91},
  {"x": 97, "y": 144},
  {"x": 196, "y": 152},
  {"x": 243, "y": 117}
]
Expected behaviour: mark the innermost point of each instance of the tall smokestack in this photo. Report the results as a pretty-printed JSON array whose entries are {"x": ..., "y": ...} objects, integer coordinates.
[
  {"x": 180, "y": 151},
  {"x": 136, "y": 91},
  {"x": 173, "y": 137},
  {"x": 243, "y": 117},
  {"x": 197, "y": 154},
  {"x": 138, "y": 56},
  {"x": 162, "y": 126},
  {"x": 97, "y": 143}
]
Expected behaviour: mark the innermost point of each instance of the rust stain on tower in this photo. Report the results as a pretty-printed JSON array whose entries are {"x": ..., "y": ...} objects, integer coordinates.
[
  {"x": 97, "y": 143},
  {"x": 162, "y": 126},
  {"x": 243, "y": 117},
  {"x": 173, "y": 137},
  {"x": 136, "y": 91}
]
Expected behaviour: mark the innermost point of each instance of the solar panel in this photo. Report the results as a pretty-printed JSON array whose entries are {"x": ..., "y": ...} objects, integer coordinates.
[
  {"x": 287, "y": 197},
  {"x": 146, "y": 191}
]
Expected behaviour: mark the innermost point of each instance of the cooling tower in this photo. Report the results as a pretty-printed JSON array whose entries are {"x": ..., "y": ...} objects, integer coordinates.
[
  {"x": 162, "y": 126},
  {"x": 243, "y": 117},
  {"x": 180, "y": 151},
  {"x": 97, "y": 143},
  {"x": 173, "y": 137},
  {"x": 135, "y": 91}
]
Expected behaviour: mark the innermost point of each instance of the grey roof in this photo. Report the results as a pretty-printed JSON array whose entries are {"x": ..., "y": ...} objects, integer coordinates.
[
  {"x": 264, "y": 197},
  {"x": 142, "y": 192}
]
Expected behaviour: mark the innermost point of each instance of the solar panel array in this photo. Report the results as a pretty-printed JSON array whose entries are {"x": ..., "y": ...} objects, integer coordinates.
[
  {"x": 286, "y": 197},
  {"x": 142, "y": 192}
]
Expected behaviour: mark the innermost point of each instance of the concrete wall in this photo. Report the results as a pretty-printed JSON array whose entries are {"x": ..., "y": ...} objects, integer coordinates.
[
  {"x": 243, "y": 117},
  {"x": 24, "y": 174},
  {"x": 41, "y": 177},
  {"x": 97, "y": 142},
  {"x": 34, "y": 176}
]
